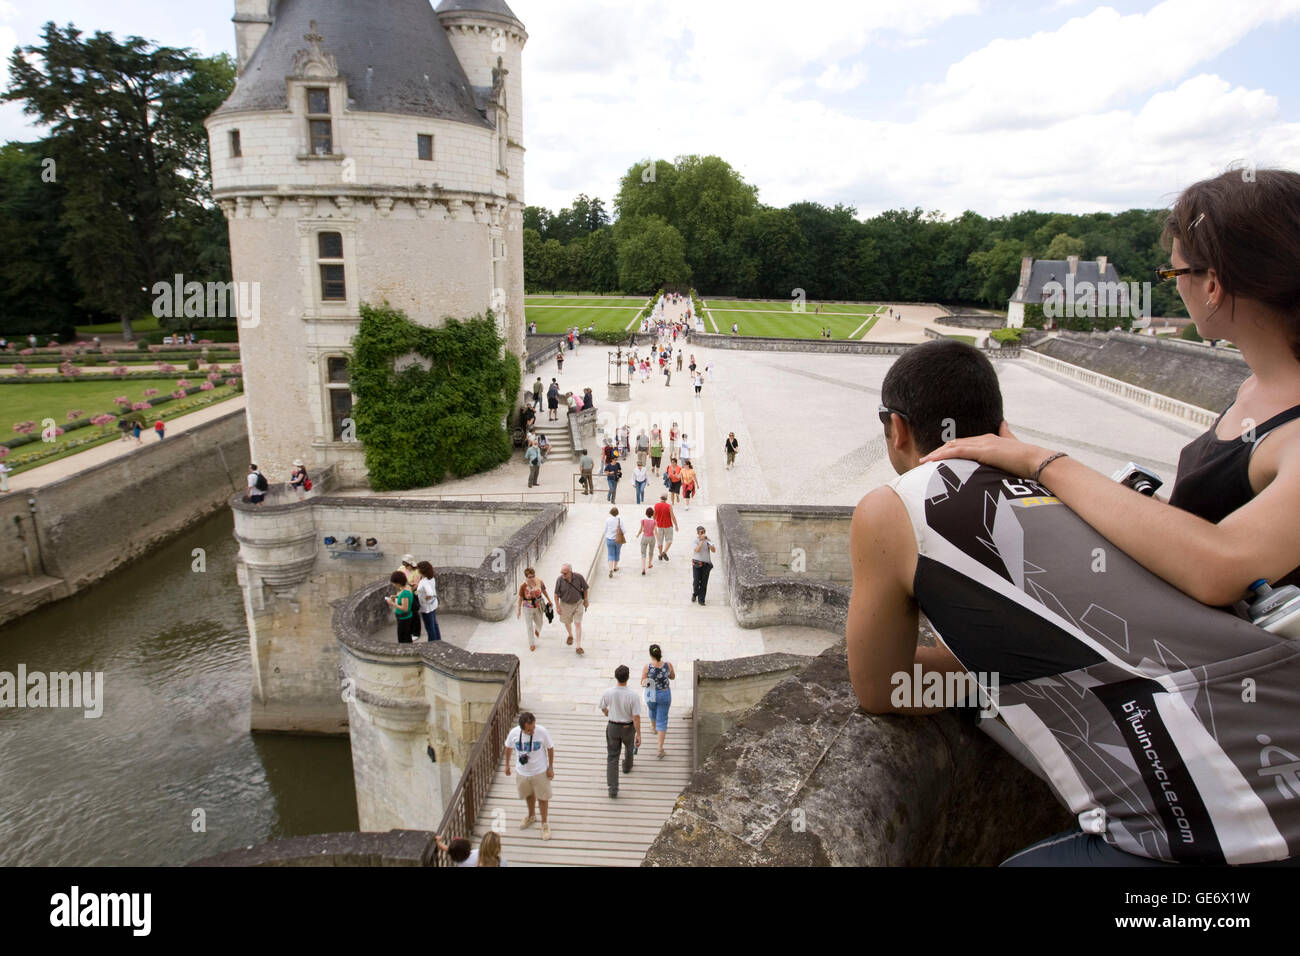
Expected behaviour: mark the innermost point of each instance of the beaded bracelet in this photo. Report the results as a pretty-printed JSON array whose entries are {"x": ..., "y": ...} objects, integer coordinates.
[{"x": 1047, "y": 461}]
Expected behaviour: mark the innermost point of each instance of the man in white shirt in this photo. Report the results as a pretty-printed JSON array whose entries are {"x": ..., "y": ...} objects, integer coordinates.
[
  {"x": 686, "y": 447},
  {"x": 536, "y": 757},
  {"x": 622, "y": 706}
]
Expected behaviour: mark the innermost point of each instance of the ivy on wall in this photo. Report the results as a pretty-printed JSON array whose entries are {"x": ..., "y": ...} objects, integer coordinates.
[{"x": 420, "y": 425}]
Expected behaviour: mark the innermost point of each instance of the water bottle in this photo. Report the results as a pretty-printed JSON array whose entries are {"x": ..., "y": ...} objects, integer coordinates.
[{"x": 1276, "y": 611}]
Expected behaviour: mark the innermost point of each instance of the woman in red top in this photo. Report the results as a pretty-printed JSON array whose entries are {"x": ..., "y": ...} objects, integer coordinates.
[
  {"x": 533, "y": 599},
  {"x": 646, "y": 532},
  {"x": 674, "y": 473}
]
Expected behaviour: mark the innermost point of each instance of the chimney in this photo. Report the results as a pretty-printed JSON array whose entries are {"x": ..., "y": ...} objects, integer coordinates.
[
  {"x": 252, "y": 20},
  {"x": 1101, "y": 267},
  {"x": 1026, "y": 268},
  {"x": 1074, "y": 264}
]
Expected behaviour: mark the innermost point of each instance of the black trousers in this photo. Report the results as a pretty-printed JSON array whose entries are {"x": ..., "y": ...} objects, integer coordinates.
[
  {"x": 405, "y": 630},
  {"x": 617, "y": 737},
  {"x": 700, "y": 579}
]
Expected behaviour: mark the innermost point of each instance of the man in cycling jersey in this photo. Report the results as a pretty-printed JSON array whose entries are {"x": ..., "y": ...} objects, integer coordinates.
[{"x": 1168, "y": 726}]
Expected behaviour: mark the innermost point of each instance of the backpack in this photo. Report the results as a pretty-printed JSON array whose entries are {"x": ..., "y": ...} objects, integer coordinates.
[{"x": 261, "y": 481}]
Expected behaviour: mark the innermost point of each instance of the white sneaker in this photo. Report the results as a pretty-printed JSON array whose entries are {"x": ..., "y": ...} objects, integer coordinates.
[
  {"x": 528, "y": 821},
  {"x": 546, "y": 831}
]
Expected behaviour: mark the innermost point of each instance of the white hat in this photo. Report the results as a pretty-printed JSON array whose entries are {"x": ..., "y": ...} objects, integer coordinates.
[
  {"x": 297, "y": 463},
  {"x": 408, "y": 559}
]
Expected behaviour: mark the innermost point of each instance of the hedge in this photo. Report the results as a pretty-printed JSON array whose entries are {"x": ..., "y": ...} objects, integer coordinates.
[{"x": 418, "y": 426}]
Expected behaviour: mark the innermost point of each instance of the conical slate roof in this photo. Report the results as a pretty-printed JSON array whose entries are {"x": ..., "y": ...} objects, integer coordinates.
[
  {"x": 497, "y": 7},
  {"x": 394, "y": 54}
]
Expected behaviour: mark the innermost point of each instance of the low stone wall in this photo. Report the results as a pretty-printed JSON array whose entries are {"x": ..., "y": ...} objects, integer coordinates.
[
  {"x": 972, "y": 320},
  {"x": 540, "y": 349},
  {"x": 754, "y": 343},
  {"x": 415, "y": 711},
  {"x": 724, "y": 690},
  {"x": 761, "y": 597},
  {"x": 394, "y": 848},
  {"x": 478, "y": 551},
  {"x": 807, "y": 778},
  {"x": 1185, "y": 371},
  {"x": 82, "y": 528}
]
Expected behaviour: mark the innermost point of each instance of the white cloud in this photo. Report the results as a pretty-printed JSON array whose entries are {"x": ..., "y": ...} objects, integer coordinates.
[
  {"x": 836, "y": 79},
  {"x": 8, "y": 12}
]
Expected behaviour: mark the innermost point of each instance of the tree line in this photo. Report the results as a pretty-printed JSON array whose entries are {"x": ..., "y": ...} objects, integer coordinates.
[
  {"x": 118, "y": 195},
  {"x": 696, "y": 221}
]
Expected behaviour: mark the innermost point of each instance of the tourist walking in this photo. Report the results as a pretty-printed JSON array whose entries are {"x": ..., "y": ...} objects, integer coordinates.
[
  {"x": 701, "y": 565},
  {"x": 613, "y": 472},
  {"x": 257, "y": 485},
  {"x": 642, "y": 447},
  {"x": 623, "y": 731},
  {"x": 585, "y": 465},
  {"x": 4, "y": 476},
  {"x": 708, "y": 367},
  {"x": 160, "y": 429},
  {"x": 656, "y": 453},
  {"x": 552, "y": 401},
  {"x": 658, "y": 693},
  {"x": 684, "y": 450},
  {"x": 699, "y": 384},
  {"x": 673, "y": 475},
  {"x": 537, "y": 393},
  {"x": 533, "y": 455},
  {"x": 730, "y": 448},
  {"x": 665, "y": 526},
  {"x": 427, "y": 593},
  {"x": 571, "y": 603},
  {"x": 646, "y": 532},
  {"x": 559, "y": 360},
  {"x": 672, "y": 441},
  {"x": 615, "y": 538},
  {"x": 531, "y": 606},
  {"x": 401, "y": 603},
  {"x": 690, "y": 484},
  {"x": 679, "y": 356},
  {"x": 536, "y": 769},
  {"x": 136, "y": 429},
  {"x": 639, "y": 479}
]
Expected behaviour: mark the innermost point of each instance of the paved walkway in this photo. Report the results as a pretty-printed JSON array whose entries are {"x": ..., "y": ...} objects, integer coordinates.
[{"x": 56, "y": 470}]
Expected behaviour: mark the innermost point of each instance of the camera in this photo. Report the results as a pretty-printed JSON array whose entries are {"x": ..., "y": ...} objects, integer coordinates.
[
  {"x": 1141, "y": 480},
  {"x": 523, "y": 759}
]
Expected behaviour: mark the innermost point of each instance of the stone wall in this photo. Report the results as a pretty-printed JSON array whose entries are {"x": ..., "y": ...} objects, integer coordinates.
[
  {"x": 1184, "y": 371},
  {"x": 724, "y": 690},
  {"x": 478, "y": 550},
  {"x": 415, "y": 711},
  {"x": 972, "y": 320},
  {"x": 395, "y": 848},
  {"x": 807, "y": 778},
  {"x": 755, "y": 343},
  {"x": 769, "y": 591},
  {"x": 82, "y": 528}
]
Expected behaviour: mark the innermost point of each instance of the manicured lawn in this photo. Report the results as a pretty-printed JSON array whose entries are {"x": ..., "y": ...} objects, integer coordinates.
[
  {"x": 147, "y": 324},
  {"x": 788, "y": 325},
  {"x": 557, "y": 315},
  {"x": 828, "y": 308},
  {"x": 968, "y": 339}
]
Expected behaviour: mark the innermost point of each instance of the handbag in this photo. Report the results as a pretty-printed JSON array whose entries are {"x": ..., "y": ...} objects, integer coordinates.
[
  {"x": 306, "y": 484},
  {"x": 550, "y": 612},
  {"x": 619, "y": 536}
]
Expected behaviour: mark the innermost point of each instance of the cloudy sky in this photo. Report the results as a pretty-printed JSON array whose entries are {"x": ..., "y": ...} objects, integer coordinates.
[{"x": 998, "y": 106}]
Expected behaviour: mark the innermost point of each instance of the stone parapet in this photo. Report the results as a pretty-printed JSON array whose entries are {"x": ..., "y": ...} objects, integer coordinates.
[
  {"x": 724, "y": 690},
  {"x": 807, "y": 778}
]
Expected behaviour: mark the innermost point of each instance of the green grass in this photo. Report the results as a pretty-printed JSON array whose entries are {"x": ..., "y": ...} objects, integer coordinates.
[
  {"x": 968, "y": 339},
  {"x": 788, "y": 325},
  {"x": 94, "y": 404},
  {"x": 559, "y": 315},
  {"x": 147, "y": 324},
  {"x": 828, "y": 308},
  {"x": 35, "y": 401}
]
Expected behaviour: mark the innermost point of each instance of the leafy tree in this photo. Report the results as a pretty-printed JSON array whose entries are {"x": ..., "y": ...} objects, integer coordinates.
[
  {"x": 131, "y": 151},
  {"x": 600, "y": 261},
  {"x": 1063, "y": 246},
  {"x": 1190, "y": 333},
  {"x": 775, "y": 252},
  {"x": 998, "y": 270},
  {"x": 654, "y": 256}
]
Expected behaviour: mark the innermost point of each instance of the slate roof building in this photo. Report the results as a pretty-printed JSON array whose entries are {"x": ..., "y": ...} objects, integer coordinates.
[
  {"x": 371, "y": 150},
  {"x": 1091, "y": 283}
]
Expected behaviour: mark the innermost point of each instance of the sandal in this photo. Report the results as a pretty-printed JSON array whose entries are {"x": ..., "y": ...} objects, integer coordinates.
[
  {"x": 570, "y": 640},
  {"x": 532, "y": 647},
  {"x": 581, "y": 651}
]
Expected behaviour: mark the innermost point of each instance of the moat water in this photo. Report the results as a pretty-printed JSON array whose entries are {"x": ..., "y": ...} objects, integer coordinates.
[{"x": 169, "y": 773}]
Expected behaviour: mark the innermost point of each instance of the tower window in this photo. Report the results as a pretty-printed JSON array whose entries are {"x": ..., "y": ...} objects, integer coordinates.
[
  {"x": 235, "y": 150},
  {"x": 320, "y": 126},
  {"x": 424, "y": 146},
  {"x": 329, "y": 254},
  {"x": 340, "y": 395}
]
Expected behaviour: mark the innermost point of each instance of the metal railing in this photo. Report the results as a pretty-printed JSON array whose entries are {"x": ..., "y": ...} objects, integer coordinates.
[{"x": 480, "y": 768}]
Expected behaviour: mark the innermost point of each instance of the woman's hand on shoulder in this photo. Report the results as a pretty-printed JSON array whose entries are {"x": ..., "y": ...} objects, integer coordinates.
[{"x": 1003, "y": 451}]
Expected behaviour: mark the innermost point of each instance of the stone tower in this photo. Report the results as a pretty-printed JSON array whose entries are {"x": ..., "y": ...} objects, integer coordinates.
[{"x": 371, "y": 151}]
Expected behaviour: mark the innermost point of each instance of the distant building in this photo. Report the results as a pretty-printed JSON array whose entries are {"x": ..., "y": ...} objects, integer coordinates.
[{"x": 1071, "y": 286}]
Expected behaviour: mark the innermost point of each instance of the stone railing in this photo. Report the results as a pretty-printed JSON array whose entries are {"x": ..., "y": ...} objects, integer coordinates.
[
  {"x": 972, "y": 320},
  {"x": 755, "y": 343},
  {"x": 807, "y": 778},
  {"x": 1142, "y": 396},
  {"x": 725, "y": 690}
]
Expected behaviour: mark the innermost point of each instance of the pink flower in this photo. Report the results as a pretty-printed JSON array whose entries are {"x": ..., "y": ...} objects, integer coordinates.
[
  {"x": 179, "y": 393},
  {"x": 232, "y": 382},
  {"x": 102, "y": 420},
  {"x": 74, "y": 414},
  {"x": 121, "y": 370},
  {"x": 206, "y": 387},
  {"x": 68, "y": 353},
  {"x": 150, "y": 392},
  {"x": 205, "y": 341},
  {"x": 214, "y": 367},
  {"x": 67, "y": 368},
  {"x": 166, "y": 369},
  {"x": 26, "y": 351},
  {"x": 140, "y": 406},
  {"x": 237, "y": 369},
  {"x": 24, "y": 428},
  {"x": 155, "y": 348},
  {"x": 121, "y": 400},
  {"x": 4, "y": 452},
  {"x": 20, "y": 368},
  {"x": 214, "y": 377},
  {"x": 106, "y": 350},
  {"x": 183, "y": 384}
]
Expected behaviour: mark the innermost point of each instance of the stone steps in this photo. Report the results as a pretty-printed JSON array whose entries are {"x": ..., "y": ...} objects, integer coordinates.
[{"x": 588, "y": 827}]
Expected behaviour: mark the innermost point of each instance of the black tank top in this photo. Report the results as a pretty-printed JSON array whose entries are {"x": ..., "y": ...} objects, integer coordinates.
[{"x": 1214, "y": 475}]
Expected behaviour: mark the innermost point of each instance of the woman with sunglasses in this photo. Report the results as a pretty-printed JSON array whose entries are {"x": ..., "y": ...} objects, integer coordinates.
[{"x": 1234, "y": 514}]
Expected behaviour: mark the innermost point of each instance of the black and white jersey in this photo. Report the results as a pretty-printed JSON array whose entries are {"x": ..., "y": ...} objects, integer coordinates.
[{"x": 1170, "y": 726}]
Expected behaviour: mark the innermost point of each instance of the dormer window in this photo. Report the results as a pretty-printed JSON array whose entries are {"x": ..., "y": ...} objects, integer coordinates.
[
  {"x": 235, "y": 149},
  {"x": 320, "y": 125}
]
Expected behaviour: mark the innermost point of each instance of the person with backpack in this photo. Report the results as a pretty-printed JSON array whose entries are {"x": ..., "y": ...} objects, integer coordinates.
[
  {"x": 257, "y": 485},
  {"x": 299, "y": 481}
]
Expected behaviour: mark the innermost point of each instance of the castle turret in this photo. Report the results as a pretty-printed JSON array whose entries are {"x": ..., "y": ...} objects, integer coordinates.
[{"x": 357, "y": 161}]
